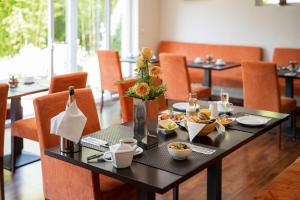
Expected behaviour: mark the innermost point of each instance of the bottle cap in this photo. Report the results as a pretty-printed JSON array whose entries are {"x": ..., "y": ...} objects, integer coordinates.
[{"x": 71, "y": 90}]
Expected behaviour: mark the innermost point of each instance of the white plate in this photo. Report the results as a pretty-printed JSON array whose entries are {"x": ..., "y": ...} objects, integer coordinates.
[
  {"x": 290, "y": 74},
  {"x": 138, "y": 151},
  {"x": 251, "y": 120},
  {"x": 182, "y": 106}
]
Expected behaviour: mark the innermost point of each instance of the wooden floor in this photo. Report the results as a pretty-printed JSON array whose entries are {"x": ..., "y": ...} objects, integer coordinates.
[{"x": 245, "y": 171}]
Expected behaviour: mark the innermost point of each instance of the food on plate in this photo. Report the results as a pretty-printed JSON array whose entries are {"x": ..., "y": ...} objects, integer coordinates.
[
  {"x": 164, "y": 116},
  {"x": 205, "y": 111},
  {"x": 224, "y": 120},
  {"x": 167, "y": 124},
  {"x": 175, "y": 116},
  {"x": 178, "y": 146},
  {"x": 200, "y": 118},
  {"x": 203, "y": 116}
]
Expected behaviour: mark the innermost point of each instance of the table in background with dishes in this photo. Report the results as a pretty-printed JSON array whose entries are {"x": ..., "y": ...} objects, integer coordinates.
[
  {"x": 20, "y": 87},
  {"x": 207, "y": 65},
  {"x": 188, "y": 144},
  {"x": 289, "y": 73}
]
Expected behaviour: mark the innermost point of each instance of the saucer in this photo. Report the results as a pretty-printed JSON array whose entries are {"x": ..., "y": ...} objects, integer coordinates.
[{"x": 138, "y": 151}]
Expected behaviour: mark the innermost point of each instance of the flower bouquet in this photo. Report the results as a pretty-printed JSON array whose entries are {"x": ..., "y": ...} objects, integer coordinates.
[{"x": 145, "y": 93}]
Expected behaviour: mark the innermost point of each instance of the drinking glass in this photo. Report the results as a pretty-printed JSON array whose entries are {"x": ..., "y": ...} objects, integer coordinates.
[{"x": 191, "y": 108}]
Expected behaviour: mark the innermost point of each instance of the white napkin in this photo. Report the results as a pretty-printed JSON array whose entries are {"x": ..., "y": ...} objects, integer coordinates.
[
  {"x": 220, "y": 128},
  {"x": 194, "y": 129},
  {"x": 69, "y": 123}
]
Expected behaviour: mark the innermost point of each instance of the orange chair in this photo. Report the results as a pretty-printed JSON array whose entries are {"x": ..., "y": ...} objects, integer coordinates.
[
  {"x": 26, "y": 128},
  {"x": 63, "y": 180},
  {"x": 175, "y": 75},
  {"x": 3, "y": 103},
  {"x": 126, "y": 103},
  {"x": 261, "y": 90},
  {"x": 110, "y": 71}
]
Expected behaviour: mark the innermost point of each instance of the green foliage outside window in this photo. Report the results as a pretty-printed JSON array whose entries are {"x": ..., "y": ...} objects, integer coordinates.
[{"x": 24, "y": 22}]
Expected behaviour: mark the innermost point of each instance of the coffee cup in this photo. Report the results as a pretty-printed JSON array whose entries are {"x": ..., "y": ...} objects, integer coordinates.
[
  {"x": 220, "y": 62},
  {"x": 198, "y": 60},
  {"x": 131, "y": 141},
  {"x": 120, "y": 155},
  {"x": 225, "y": 107}
]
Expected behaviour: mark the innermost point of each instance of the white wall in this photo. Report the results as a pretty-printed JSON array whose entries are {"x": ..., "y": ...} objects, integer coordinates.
[
  {"x": 149, "y": 17},
  {"x": 228, "y": 22}
]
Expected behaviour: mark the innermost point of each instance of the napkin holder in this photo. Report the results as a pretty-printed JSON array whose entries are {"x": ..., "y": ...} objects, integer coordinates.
[{"x": 67, "y": 146}]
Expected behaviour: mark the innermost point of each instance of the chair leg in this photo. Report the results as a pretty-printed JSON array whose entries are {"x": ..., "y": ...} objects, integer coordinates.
[
  {"x": 279, "y": 135},
  {"x": 294, "y": 123},
  {"x": 13, "y": 155},
  {"x": 102, "y": 101}
]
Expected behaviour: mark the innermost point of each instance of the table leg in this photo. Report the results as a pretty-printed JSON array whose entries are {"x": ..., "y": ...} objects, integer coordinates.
[
  {"x": 17, "y": 159},
  {"x": 289, "y": 87},
  {"x": 176, "y": 193},
  {"x": 207, "y": 78},
  {"x": 214, "y": 181},
  {"x": 145, "y": 195}
]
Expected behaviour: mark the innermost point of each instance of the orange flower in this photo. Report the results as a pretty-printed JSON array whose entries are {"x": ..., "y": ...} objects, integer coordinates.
[
  {"x": 155, "y": 71},
  {"x": 141, "y": 89},
  {"x": 147, "y": 53}
]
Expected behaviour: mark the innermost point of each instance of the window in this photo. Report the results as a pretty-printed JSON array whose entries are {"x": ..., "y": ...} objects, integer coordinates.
[{"x": 280, "y": 2}]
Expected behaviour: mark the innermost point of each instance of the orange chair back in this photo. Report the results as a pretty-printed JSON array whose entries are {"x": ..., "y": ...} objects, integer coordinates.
[
  {"x": 50, "y": 105},
  {"x": 175, "y": 76},
  {"x": 126, "y": 103},
  {"x": 56, "y": 173},
  {"x": 282, "y": 56},
  {"x": 261, "y": 88},
  {"x": 61, "y": 83},
  {"x": 3, "y": 102},
  {"x": 110, "y": 69}
]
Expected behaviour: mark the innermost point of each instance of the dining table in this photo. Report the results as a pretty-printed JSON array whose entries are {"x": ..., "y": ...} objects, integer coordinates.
[
  {"x": 16, "y": 113},
  {"x": 289, "y": 77},
  {"x": 154, "y": 171},
  {"x": 207, "y": 67}
]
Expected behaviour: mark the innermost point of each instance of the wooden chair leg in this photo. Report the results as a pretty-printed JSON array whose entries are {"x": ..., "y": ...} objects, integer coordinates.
[
  {"x": 279, "y": 135},
  {"x": 102, "y": 101}
]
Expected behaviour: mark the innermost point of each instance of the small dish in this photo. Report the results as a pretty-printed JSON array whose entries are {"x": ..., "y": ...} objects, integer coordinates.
[
  {"x": 250, "y": 120},
  {"x": 182, "y": 106},
  {"x": 225, "y": 121},
  {"x": 179, "y": 150},
  {"x": 166, "y": 126}
]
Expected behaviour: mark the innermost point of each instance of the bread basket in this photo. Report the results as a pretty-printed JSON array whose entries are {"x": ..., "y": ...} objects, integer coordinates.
[{"x": 207, "y": 129}]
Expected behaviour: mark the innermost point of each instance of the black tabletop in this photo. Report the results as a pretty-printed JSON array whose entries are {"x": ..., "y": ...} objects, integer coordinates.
[
  {"x": 213, "y": 66},
  {"x": 285, "y": 73},
  {"x": 133, "y": 60},
  {"x": 160, "y": 181}
]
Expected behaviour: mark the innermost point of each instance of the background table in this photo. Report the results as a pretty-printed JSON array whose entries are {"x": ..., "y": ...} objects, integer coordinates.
[
  {"x": 15, "y": 94},
  {"x": 206, "y": 67},
  {"x": 210, "y": 67},
  {"x": 289, "y": 81},
  {"x": 149, "y": 180}
]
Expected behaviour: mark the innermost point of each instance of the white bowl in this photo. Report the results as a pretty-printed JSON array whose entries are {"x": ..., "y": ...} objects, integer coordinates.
[{"x": 178, "y": 154}]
